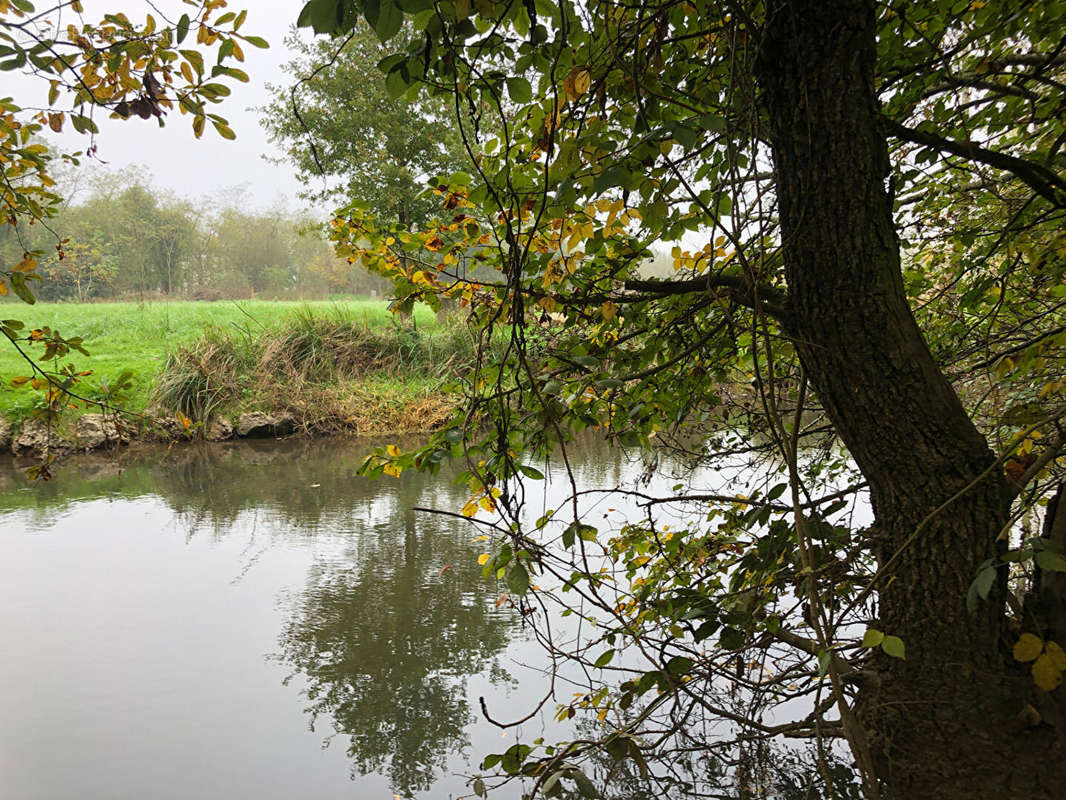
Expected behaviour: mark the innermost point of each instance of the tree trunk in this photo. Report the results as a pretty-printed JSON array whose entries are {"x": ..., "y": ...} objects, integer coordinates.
[{"x": 942, "y": 723}]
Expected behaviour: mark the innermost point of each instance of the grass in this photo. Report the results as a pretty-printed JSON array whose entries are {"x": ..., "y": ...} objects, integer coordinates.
[
  {"x": 140, "y": 337},
  {"x": 328, "y": 371}
]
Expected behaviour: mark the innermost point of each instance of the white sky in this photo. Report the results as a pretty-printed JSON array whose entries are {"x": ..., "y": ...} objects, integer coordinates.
[{"x": 211, "y": 166}]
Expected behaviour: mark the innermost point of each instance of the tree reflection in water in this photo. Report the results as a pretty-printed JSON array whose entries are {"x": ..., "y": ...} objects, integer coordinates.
[{"x": 383, "y": 638}]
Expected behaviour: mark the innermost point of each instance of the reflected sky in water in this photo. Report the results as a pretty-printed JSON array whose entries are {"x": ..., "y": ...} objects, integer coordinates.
[{"x": 250, "y": 620}]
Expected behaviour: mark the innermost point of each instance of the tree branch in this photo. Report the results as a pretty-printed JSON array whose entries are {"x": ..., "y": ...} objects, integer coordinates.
[
  {"x": 769, "y": 299},
  {"x": 1040, "y": 179}
]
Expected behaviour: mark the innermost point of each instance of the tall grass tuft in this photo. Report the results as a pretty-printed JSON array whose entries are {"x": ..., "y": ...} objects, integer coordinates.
[
  {"x": 330, "y": 371},
  {"x": 201, "y": 378}
]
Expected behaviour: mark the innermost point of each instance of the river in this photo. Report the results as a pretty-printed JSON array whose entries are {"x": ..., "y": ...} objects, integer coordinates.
[
  {"x": 255, "y": 620},
  {"x": 252, "y": 620}
]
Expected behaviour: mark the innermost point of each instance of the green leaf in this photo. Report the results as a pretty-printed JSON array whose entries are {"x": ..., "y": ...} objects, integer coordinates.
[
  {"x": 776, "y": 491},
  {"x": 531, "y": 472},
  {"x": 1050, "y": 561},
  {"x": 893, "y": 646},
  {"x": 981, "y": 586},
  {"x": 324, "y": 16},
  {"x": 519, "y": 90},
  {"x": 585, "y": 786},
  {"x": 731, "y": 639},
  {"x": 82, "y": 124},
  {"x": 384, "y": 17},
  {"x": 395, "y": 84},
  {"x": 18, "y": 286},
  {"x": 604, "y": 659},
  {"x": 680, "y": 665},
  {"x": 824, "y": 660},
  {"x": 195, "y": 60},
  {"x": 686, "y": 137},
  {"x": 225, "y": 50},
  {"x": 183, "y": 28},
  {"x": 872, "y": 638},
  {"x": 224, "y": 130},
  {"x": 518, "y": 579},
  {"x": 548, "y": 788},
  {"x": 513, "y": 758}
]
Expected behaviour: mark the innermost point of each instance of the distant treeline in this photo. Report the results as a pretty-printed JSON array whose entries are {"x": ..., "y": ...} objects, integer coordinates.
[{"x": 125, "y": 239}]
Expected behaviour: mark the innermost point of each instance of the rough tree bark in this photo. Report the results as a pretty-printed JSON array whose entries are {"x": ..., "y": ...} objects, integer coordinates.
[{"x": 944, "y": 722}]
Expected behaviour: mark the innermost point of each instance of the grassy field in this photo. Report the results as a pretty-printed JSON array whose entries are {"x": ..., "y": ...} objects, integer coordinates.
[{"x": 140, "y": 336}]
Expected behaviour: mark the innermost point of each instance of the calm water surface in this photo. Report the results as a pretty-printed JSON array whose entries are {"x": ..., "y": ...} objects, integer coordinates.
[{"x": 250, "y": 620}]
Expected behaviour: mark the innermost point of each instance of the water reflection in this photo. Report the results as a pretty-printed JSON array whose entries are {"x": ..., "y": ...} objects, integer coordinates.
[
  {"x": 374, "y": 617},
  {"x": 384, "y": 636}
]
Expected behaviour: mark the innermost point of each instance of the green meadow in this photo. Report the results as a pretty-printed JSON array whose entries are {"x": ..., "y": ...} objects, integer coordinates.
[{"x": 139, "y": 337}]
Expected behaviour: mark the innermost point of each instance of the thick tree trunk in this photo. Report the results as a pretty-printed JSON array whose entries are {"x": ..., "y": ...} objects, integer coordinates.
[{"x": 942, "y": 722}]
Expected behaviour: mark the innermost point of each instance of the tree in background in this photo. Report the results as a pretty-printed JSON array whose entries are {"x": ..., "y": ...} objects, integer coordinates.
[
  {"x": 87, "y": 67},
  {"x": 86, "y": 271},
  {"x": 866, "y": 203},
  {"x": 127, "y": 238},
  {"x": 350, "y": 137}
]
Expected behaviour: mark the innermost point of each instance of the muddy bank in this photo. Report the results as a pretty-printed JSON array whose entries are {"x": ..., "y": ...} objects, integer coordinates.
[{"x": 37, "y": 438}]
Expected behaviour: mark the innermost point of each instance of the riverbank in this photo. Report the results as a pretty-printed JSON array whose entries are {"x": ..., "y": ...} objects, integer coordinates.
[{"x": 218, "y": 371}]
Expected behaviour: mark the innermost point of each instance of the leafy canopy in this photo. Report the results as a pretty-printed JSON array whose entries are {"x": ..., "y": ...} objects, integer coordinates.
[
  {"x": 349, "y": 138},
  {"x": 598, "y": 129},
  {"x": 116, "y": 66}
]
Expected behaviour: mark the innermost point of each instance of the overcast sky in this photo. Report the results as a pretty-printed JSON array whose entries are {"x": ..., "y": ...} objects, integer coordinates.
[{"x": 211, "y": 166}]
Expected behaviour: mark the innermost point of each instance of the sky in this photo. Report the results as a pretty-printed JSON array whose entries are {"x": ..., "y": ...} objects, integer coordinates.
[{"x": 210, "y": 167}]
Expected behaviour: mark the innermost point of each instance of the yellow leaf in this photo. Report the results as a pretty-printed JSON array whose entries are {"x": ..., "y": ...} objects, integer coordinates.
[
  {"x": 27, "y": 264},
  {"x": 582, "y": 81},
  {"x": 392, "y": 450},
  {"x": 576, "y": 83},
  {"x": 608, "y": 310},
  {"x": 470, "y": 509},
  {"x": 1057, "y": 655},
  {"x": 1028, "y": 647},
  {"x": 487, "y": 504},
  {"x": 483, "y": 558},
  {"x": 1046, "y": 675}
]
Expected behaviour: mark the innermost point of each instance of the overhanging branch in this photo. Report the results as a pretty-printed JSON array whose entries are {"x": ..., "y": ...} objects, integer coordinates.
[
  {"x": 768, "y": 299},
  {"x": 1040, "y": 179}
]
